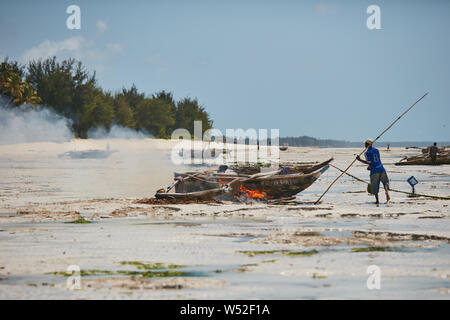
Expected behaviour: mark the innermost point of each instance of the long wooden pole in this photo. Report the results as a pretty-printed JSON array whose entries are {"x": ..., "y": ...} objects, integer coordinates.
[
  {"x": 385, "y": 130},
  {"x": 393, "y": 190}
]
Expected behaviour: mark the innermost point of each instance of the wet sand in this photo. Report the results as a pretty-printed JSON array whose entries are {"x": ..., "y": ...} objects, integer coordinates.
[{"x": 218, "y": 251}]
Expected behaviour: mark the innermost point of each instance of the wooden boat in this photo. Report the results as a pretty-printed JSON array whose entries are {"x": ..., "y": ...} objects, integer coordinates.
[
  {"x": 427, "y": 150},
  {"x": 283, "y": 148},
  {"x": 294, "y": 168},
  {"x": 195, "y": 181},
  {"x": 262, "y": 187},
  {"x": 248, "y": 168},
  {"x": 279, "y": 185},
  {"x": 443, "y": 157},
  {"x": 197, "y": 195},
  {"x": 423, "y": 161}
]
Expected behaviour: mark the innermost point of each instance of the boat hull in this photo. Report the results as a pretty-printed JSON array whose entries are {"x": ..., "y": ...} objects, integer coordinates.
[
  {"x": 423, "y": 162},
  {"x": 281, "y": 185},
  {"x": 209, "y": 181}
]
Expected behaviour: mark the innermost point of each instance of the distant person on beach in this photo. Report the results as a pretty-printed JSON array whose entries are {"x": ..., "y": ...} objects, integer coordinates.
[
  {"x": 377, "y": 172},
  {"x": 433, "y": 152}
]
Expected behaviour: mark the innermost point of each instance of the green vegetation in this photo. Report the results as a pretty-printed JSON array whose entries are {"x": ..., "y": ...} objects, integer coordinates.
[
  {"x": 93, "y": 272},
  {"x": 269, "y": 261},
  {"x": 151, "y": 266},
  {"x": 14, "y": 87},
  {"x": 244, "y": 267},
  {"x": 147, "y": 270},
  {"x": 254, "y": 253},
  {"x": 371, "y": 249},
  {"x": 284, "y": 252},
  {"x": 153, "y": 274},
  {"x": 303, "y": 253},
  {"x": 81, "y": 220},
  {"x": 143, "y": 274},
  {"x": 71, "y": 91},
  {"x": 148, "y": 267}
]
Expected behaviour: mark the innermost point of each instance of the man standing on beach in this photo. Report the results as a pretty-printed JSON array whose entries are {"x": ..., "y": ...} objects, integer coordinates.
[
  {"x": 377, "y": 172},
  {"x": 433, "y": 150}
]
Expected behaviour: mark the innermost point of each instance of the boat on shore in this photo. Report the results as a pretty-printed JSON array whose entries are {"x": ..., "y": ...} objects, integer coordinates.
[
  {"x": 292, "y": 167},
  {"x": 277, "y": 186},
  {"x": 305, "y": 168},
  {"x": 424, "y": 159},
  {"x": 188, "y": 196},
  {"x": 197, "y": 181},
  {"x": 271, "y": 185}
]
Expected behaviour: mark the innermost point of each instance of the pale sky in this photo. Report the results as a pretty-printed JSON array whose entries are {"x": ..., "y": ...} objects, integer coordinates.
[{"x": 304, "y": 67}]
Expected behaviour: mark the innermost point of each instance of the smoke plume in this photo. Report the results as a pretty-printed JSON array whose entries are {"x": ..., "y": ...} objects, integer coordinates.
[
  {"x": 29, "y": 124},
  {"x": 117, "y": 132}
]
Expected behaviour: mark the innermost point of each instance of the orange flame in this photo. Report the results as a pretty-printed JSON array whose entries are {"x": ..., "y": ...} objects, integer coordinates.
[{"x": 253, "y": 194}]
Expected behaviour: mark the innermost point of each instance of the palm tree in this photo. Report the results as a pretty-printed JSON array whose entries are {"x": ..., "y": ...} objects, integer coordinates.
[
  {"x": 30, "y": 95},
  {"x": 11, "y": 85}
]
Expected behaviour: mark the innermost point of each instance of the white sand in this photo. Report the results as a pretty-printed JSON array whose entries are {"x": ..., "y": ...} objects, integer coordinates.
[{"x": 39, "y": 192}]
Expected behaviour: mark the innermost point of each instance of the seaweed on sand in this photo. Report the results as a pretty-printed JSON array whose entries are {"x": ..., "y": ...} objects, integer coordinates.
[
  {"x": 151, "y": 266},
  {"x": 303, "y": 253},
  {"x": 93, "y": 272},
  {"x": 153, "y": 274},
  {"x": 81, "y": 220},
  {"x": 371, "y": 249},
  {"x": 145, "y": 270},
  {"x": 283, "y": 252}
]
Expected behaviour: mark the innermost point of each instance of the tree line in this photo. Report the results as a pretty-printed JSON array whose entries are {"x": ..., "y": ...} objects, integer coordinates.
[{"x": 72, "y": 91}]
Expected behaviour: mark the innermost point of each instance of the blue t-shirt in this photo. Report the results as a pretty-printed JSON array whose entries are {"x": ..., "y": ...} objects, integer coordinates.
[{"x": 373, "y": 156}]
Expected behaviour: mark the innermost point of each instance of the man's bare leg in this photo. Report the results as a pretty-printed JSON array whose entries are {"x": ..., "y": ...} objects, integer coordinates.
[
  {"x": 376, "y": 197},
  {"x": 386, "y": 189}
]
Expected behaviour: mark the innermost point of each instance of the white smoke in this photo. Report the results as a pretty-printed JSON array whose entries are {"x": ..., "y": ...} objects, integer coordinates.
[
  {"x": 28, "y": 124},
  {"x": 117, "y": 132}
]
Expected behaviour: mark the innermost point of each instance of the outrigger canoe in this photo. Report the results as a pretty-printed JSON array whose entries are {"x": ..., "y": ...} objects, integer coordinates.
[
  {"x": 443, "y": 157},
  {"x": 195, "y": 181},
  {"x": 295, "y": 168},
  {"x": 423, "y": 161},
  {"x": 273, "y": 186},
  {"x": 280, "y": 185}
]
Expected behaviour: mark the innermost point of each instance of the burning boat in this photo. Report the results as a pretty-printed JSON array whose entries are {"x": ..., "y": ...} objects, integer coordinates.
[
  {"x": 269, "y": 185},
  {"x": 198, "y": 181},
  {"x": 276, "y": 186}
]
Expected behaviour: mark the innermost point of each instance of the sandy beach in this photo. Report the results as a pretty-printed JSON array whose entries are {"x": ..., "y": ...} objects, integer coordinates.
[{"x": 213, "y": 251}]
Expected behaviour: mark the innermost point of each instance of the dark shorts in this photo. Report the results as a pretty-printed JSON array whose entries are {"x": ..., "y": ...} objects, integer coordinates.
[
  {"x": 433, "y": 159},
  {"x": 375, "y": 181}
]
